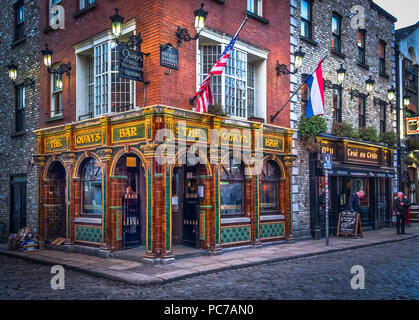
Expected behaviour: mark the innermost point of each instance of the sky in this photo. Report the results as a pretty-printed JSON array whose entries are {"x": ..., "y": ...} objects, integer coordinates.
[{"x": 406, "y": 11}]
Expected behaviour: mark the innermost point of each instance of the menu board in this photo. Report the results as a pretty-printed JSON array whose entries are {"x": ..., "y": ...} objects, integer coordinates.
[{"x": 349, "y": 223}]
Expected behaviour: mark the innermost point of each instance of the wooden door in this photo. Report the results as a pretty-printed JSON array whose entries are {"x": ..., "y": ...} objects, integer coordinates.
[{"x": 18, "y": 203}]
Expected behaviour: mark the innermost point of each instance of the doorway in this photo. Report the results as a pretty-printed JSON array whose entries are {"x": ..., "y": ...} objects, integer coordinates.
[{"x": 17, "y": 203}]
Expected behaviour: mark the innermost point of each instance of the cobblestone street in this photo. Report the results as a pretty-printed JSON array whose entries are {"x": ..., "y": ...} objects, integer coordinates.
[{"x": 391, "y": 272}]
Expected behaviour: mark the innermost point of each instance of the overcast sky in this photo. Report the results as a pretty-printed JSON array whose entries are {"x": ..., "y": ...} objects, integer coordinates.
[{"x": 406, "y": 11}]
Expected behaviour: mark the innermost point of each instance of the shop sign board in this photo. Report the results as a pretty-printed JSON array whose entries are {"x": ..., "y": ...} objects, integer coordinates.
[
  {"x": 327, "y": 161},
  {"x": 361, "y": 154},
  {"x": 55, "y": 144},
  {"x": 412, "y": 125},
  {"x": 88, "y": 139},
  {"x": 169, "y": 56},
  {"x": 273, "y": 143},
  {"x": 232, "y": 137},
  {"x": 128, "y": 132},
  {"x": 349, "y": 223},
  {"x": 131, "y": 64},
  {"x": 190, "y": 133}
]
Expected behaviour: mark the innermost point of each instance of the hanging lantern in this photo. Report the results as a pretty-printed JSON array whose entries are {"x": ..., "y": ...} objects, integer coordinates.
[
  {"x": 12, "y": 71},
  {"x": 369, "y": 83},
  {"x": 116, "y": 22},
  {"x": 47, "y": 54},
  {"x": 200, "y": 16},
  {"x": 341, "y": 74},
  {"x": 299, "y": 55},
  {"x": 391, "y": 93}
]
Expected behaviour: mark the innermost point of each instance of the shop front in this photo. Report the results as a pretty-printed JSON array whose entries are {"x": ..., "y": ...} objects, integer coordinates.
[
  {"x": 159, "y": 177},
  {"x": 356, "y": 166}
]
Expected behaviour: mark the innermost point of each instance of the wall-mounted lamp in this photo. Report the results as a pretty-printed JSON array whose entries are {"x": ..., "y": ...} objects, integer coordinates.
[
  {"x": 406, "y": 100},
  {"x": 62, "y": 68},
  {"x": 369, "y": 84},
  {"x": 298, "y": 61},
  {"x": 183, "y": 33},
  {"x": 355, "y": 93},
  {"x": 391, "y": 94},
  {"x": 12, "y": 69},
  {"x": 341, "y": 74}
]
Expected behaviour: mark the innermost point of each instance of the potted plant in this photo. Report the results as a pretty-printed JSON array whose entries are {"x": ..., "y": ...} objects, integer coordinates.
[{"x": 308, "y": 129}]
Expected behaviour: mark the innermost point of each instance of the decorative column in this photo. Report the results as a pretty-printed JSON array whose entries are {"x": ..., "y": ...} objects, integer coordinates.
[
  {"x": 40, "y": 162},
  {"x": 288, "y": 161},
  {"x": 69, "y": 160}
]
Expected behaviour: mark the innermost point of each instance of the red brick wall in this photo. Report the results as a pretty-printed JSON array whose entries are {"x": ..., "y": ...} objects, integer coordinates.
[{"x": 157, "y": 22}]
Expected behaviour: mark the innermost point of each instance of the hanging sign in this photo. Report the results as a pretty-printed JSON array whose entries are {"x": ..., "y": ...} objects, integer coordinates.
[
  {"x": 412, "y": 125},
  {"x": 327, "y": 161},
  {"x": 131, "y": 64},
  {"x": 169, "y": 56}
]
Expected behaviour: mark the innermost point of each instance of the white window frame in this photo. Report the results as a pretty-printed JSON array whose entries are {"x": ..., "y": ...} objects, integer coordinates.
[
  {"x": 255, "y": 6},
  {"x": 209, "y": 36},
  {"x": 85, "y": 3},
  {"x": 56, "y": 111}
]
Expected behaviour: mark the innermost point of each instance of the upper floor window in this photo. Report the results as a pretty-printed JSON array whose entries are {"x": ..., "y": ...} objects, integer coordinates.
[
  {"x": 255, "y": 6},
  {"x": 383, "y": 118},
  {"x": 20, "y": 108},
  {"x": 361, "y": 46},
  {"x": 361, "y": 112},
  {"x": 56, "y": 94},
  {"x": 336, "y": 33},
  {"x": 382, "y": 57},
  {"x": 19, "y": 20},
  {"x": 304, "y": 94},
  {"x": 237, "y": 89},
  {"x": 306, "y": 19},
  {"x": 86, "y": 3},
  {"x": 337, "y": 105},
  {"x": 54, "y": 15}
]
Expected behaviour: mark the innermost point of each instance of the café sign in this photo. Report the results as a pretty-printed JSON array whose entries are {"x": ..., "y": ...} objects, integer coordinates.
[{"x": 361, "y": 154}]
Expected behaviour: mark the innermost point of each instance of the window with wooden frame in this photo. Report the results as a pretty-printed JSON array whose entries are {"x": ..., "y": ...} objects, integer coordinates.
[
  {"x": 337, "y": 104},
  {"x": 85, "y": 3},
  {"x": 56, "y": 94},
  {"x": 361, "y": 112},
  {"x": 269, "y": 188},
  {"x": 383, "y": 118},
  {"x": 305, "y": 92},
  {"x": 91, "y": 187},
  {"x": 361, "y": 47},
  {"x": 19, "y": 9},
  {"x": 336, "y": 33},
  {"x": 232, "y": 188},
  {"x": 382, "y": 57},
  {"x": 306, "y": 19},
  {"x": 20, "y": 108}
]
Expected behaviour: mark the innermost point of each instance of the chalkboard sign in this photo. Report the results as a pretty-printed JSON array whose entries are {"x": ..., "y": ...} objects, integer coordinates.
[
  {"x": 169, "y": 56},
  {"x": 349, "y": 223},
  {"x": 130, "y": 64}
]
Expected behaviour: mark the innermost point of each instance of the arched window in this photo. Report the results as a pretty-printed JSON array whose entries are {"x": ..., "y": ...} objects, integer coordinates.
[
  {"x": 269, "y": 188},
  {"x": 91, "y": 187},
  {"x": 232, "y": 188}
]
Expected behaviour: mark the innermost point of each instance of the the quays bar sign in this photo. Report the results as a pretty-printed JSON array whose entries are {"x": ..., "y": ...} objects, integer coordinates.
[
  {"x": 131, "y": 64},
  {"x": 128, "y": 132},
  {"x": 190, "y": 133},
  {"x": 273, "y": 143},
  {"x": 361, "y": 154},
  {"x": 55, "y": 144},
  {"x": 88, "y": 139}
]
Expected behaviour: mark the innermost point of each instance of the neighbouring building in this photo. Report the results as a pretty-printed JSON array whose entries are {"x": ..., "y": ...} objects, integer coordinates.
[
  {"x": 334, "y": 29},
  {"x": 407, "y": 40},
  {"x": 19, "y": 114},
  {"x": 99, "y": 142}
]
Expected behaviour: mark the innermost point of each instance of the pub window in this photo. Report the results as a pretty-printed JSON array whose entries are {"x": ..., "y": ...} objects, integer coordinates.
[
  {"x": 336, "y": 33},
  {"x": 361, "y": 112},
  {"x": 20, "y": 108},
  {"x": 231, "y": 188},
  {"x": 304, "y": 94},
  {"x": 306, "y": 19},
  {"x": 86, "y": 3},
  {"x": 361, "y": 46},
  {"x": 240, "y": 80},
  {"x": 255, "y": 6},
  {"x": 382, "y": 57},
  {"x": 19, "y": 9},
  {"x": 269, "y": 188},
  {"x": 91, "y": 187},
  {"x": 56, "y": 94},
  {"x": 337, "y": 105},
  {"x": 383, "y": 118}
]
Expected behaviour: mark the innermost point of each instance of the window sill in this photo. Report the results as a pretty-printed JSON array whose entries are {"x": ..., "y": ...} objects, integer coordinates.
[
  {"x": 84, "y": 10},
  {"x": 257, "y": 17},
  {"x": 17, "y": 42},
  {"x": 55, "y": 118},
  {"x": 363, "y": 65},
  {"x": 47, "y": 29},
  {"x": 384, "y": 75},
  {"x": 269, "y": 217},
  {"x": 339, "y": 54},
  {"x": 235, "y": 220},
  {"x": 18, "y": 133},
  {"x": 88, "y": 220},
  {"x": 310, "y": 41},
  {"x": 219, "y": 1}
]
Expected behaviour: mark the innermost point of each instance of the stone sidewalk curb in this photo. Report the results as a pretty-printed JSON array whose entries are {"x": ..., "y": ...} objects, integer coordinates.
[{"x": 139, "y": 279}]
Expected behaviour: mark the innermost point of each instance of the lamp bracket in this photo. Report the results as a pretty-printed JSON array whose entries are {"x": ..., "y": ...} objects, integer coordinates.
[
  {"x": 62, "y": 68},
  {"x": 133, "y": 42},
  {"x": 28, "y": 82},
  {"x": 283, "y": 69},
  {"x": 183, "y": 34},
  {"x": 356, "y": 93}
]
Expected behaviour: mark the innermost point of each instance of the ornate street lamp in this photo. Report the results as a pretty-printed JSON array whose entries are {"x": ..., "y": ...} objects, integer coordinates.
[
  {"x": 183, "y": 33},
  {"x": 116, "y": 22},
  {"x": 369, "y": 83},
  {"x": 12, "y": 71},
  {"x": 62, "y": 68},
  {"x": 406, "y": 100},
  {"x": 391, "y": 94},
  {"x": 298, "y": 61},
  {"x": 341, "y": 74}
]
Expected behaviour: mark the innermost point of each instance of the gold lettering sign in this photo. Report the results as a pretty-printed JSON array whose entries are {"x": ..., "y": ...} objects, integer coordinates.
[
  {"x": 275, "y": 143},
  {"x": 235, "y": 137},
  {"x": 88, "y": 139},
  {"x": 328, "y": 149},
  {"x": 190, "y": 133},
  {"x": 128, "y": 132},
  {"x": 55, "y": 144},
  {"x": 368, "y": 155}
]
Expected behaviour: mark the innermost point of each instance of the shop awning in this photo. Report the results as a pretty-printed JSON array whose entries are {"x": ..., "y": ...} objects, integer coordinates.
[{"x": 373, "y": 173}]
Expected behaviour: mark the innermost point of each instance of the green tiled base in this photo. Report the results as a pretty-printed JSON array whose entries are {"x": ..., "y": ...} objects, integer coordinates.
[
  {"x": 272, "y": 230},
  {"x": 235, "y": 234},
  {"x": 88, "y": 234}
]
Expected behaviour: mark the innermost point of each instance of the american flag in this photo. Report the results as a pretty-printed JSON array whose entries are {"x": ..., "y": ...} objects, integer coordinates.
[{"x": 204, "y": 95}]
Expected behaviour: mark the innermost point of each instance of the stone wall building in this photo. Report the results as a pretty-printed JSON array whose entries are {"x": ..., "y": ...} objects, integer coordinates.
[
  {"x": 19, "y": 114},
  {"x": 330, "y": 28}
]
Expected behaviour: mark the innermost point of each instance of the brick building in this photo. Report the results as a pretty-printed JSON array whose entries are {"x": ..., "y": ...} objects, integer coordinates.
[
  {"x": 19, "y": 115},
  {"x": 99, "y": 141},
  {"x": 332, "y": 29}
]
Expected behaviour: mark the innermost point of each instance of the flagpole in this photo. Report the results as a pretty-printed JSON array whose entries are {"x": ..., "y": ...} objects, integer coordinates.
[
  {"x": 191, "y": 100},
  {"x": 274, "y": 116}
]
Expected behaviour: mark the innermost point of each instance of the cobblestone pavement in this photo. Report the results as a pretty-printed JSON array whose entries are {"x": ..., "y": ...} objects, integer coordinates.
[{"x": 391, "y": 272}]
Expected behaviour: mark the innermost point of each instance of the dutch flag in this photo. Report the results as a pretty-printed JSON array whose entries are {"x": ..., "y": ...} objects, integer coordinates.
[{"x": 315, "y": 105}]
